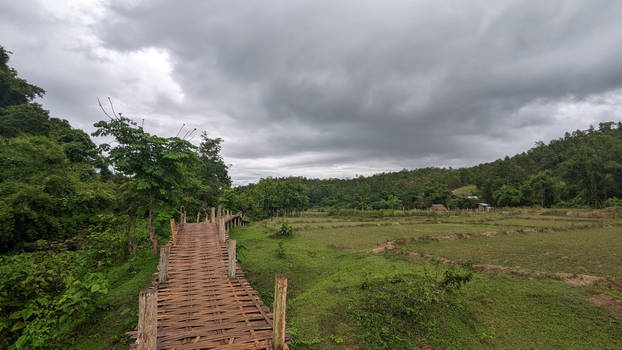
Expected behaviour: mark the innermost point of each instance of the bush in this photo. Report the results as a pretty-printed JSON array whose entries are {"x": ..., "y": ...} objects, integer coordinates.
[
  {"x": 398, "y": 311},
  {"x": 285, "y": 230},
  {"x": 45, "y": 295},
  {"x": 613, "y": 202}
]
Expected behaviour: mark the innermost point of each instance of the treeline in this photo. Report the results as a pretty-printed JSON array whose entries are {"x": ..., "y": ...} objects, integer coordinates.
[
  {"x": 73, "y": 213},
  {"x": 581, "y": 169}
]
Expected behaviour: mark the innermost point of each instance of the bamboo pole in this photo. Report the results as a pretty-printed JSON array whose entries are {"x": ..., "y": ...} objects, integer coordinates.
[
  {"x": 232, "y": 258},
  {"x": 212, "y": 217},
  {"x": 173, "y": 231},
  {"x": 163, "y": 272},
  {"x": 221, "y": 229},
  {"x": 280, "y": 298},
  {"x": 147, "y": 319}
]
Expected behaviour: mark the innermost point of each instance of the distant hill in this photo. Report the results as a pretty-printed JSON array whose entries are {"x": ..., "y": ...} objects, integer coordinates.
[{"x": 583, "y": 168}]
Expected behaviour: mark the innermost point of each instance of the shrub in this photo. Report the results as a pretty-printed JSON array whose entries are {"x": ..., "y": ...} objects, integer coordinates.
[
  {"x": 285, "y": 230},
  {"x": 398, "y": 311},
  {"x": 613, "y": 202}
]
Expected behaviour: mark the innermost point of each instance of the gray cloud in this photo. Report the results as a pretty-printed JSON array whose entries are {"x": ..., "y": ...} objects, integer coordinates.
[{"x": 343, "y": 87}]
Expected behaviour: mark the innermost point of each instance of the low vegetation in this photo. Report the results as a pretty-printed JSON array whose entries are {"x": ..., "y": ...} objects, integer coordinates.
[{"x": 343, "y": 293}]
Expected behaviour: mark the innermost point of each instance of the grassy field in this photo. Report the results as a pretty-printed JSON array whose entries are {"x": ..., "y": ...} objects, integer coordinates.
[
  {"x": 333, "y": 275},
  {"x": 594, "y": 251}
]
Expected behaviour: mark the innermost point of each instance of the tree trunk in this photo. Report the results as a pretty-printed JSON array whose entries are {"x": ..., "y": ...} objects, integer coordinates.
[
  {"x": 131, "y": 232},
  {"x": 154, "y": 241}
]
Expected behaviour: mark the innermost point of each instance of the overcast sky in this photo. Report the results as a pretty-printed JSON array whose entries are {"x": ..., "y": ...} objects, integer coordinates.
[{"x": 329, "y": 88}]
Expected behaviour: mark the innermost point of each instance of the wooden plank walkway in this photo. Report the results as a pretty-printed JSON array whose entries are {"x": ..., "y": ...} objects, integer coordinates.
[{"x": 200, "y": 307}]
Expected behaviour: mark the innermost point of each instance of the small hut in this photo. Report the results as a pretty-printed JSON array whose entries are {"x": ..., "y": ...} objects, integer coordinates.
[{"x": 438, "y": 207}]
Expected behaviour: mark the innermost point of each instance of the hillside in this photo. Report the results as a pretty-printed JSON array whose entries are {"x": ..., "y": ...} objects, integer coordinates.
[{"x": 581, "y": 169}]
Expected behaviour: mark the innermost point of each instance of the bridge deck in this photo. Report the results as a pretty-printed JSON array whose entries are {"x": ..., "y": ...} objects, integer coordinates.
[{"x": 200, "y": 307}]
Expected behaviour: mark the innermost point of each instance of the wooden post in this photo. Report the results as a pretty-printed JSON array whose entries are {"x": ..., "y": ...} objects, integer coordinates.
[
  {"x": 232, "y": 258},
  {"x": 173, "y": 231},
  {"x": 198, "y": 216},
  {"x": 212, "y": 217},
  {"x": 147, "y": 319},
  {"x": 164, "y": 254},
  {"x": 219, "y": 211},
  {"x": 221, "y": 230},
  {"x": 280, "y": 298}
]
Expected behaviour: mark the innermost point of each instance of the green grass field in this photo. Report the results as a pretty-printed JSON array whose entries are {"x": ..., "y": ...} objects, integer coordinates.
[
  {"x": 594, "y": 251},
  {"x": 328, "y": 270}
]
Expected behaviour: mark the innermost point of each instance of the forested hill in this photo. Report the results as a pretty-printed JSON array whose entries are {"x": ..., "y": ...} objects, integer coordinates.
[{"x": 583, "y": 168}]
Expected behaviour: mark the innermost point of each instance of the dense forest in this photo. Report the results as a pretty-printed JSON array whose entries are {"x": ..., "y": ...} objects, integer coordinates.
[
  {"x": 78, "y": 219},
  {"x": 581, "y": 169}
]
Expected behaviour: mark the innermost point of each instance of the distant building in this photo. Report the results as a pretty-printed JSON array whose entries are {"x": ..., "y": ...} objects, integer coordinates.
[
  {"x": 437, "y": 207},
  {"x": 483, "y": 206},
  {"x": 472, "y": 197}
]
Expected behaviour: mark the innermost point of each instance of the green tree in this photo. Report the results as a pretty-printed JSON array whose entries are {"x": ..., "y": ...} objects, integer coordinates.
[
  {"x": 540, "y": 189},
  {"x": 45, "y": 196},
  {"x": 508, "y": 195},
  {"x": 14, "y": 90},
  {"x": 153, "y": 164},
  {"x": 435, "y": 192}
]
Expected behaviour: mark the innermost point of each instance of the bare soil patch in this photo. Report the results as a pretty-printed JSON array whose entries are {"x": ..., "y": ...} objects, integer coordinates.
[{"x": 609, "y": 303}]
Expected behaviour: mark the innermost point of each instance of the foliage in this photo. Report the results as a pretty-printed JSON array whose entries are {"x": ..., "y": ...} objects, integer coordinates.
[
  {"x": 14, "y": 90},
  {"x": 49, "y": 203},
  {"x": 395, "y": 310},
  {"x": 206, "y": 180},
  {"x": 613, "y": 202},
  {"x": 154, "y": 164},
  {"x": 68, "y": 225},
  {"x": 507, "y": 196},
  {"x": 46, "y": 293},
  {"x": 286, "y": 230},
  {"x": 582, "y": 168}
]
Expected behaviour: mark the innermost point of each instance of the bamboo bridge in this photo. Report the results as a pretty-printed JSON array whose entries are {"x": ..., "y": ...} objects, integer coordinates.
[{"x": 200, "y": 298}]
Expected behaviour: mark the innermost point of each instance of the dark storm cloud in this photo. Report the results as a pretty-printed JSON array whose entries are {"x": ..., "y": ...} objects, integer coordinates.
[
  {"x": 390, "y": 79},
  {"x": 344, "y": 87}
]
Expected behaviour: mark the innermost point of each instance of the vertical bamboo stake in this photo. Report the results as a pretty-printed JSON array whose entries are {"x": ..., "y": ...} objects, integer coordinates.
[
  {"x": 198, "y": 216},
  {"x": 278, "y": 326},
  {"x": 173, "y": 231},
  {"x": 221, "y": 230},
  {"x": 212, "y": 217},
  {"x": 219, "y": 211},
  {"x": 164, "y": 254},
  {"x": 232, "y": 258},
  {"x": 147, "y": 319}
]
